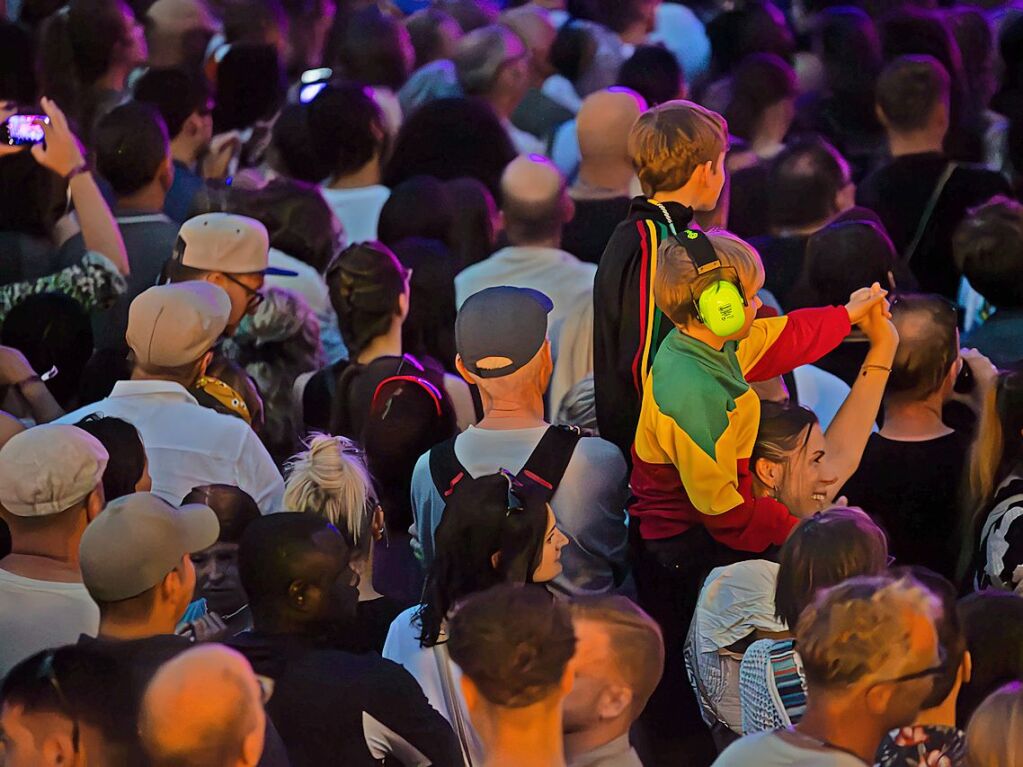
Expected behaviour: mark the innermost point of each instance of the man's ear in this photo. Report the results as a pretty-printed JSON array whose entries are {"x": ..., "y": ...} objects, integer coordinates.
[
  {"x": 878, "y": 698},
  {"x": 614, "y": 701},
  {"x": 568, "y": 209},
  {"x": 966, "y": 668},
  {"x": 57, "y": 749},
  {"x": 95, "y": 503},
  {"x": 881, "y": 117},
  {"x": 568, "y": 679},
  {"x": 463, "y": 371},
  {"x": 495, "y": 560},
  {"x": 298, "y": 596},
  {"x": 165, "y": 174}
]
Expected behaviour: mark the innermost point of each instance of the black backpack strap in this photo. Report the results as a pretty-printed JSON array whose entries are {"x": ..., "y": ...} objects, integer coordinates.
[
  {"x": 445, "y": 468},
  {"x": 547, "y": 463}
]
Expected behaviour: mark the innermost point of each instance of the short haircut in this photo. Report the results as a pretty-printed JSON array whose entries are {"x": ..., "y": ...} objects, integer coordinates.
[
  {"x": 426, "y": 28},
  {"x": 823, "y": 551},
  {"x": 131, "y": 145},
  {"x": 909, "y": 89},
  {"x": 176, "y": 94},
  {"x": 127, "y": 454},
  {"x": 136, "y": 609},
  {"x": 669, "y": 142},
  {"x": 346, "y": 128},
  {"x": 637, "y": 645},
  {"x": 760, "y": 81},
  {"x": 513, "y": 642},
  {"x": 804, "y": 179},
  {"x": 861, "y": 629},
  {"x": 653, "y": 72},
  {"x": 988, "y": 248},
  {"x": 993, "y": 737},
  {"x": 530, "y": 221},
  {"x": 479, "y": 57},
  {"x": 235, "y": 509},
  {"x": 928, "y": 345},
  {"x": 677, "y": 286}
]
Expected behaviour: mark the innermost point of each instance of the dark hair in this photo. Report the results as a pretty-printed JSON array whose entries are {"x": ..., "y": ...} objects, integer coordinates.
[
  {"x": 424, "y": 27},
  {"x": 470, "y": 14},
  {"x": 176, "y": 94},
  {"x": 370, "y": 49},
  {"x": 823, "y": 551},
  {"x": 32, "y": 198},
  {"x": 617, "y": 15},
  {"x": 472, "y": 233},
  {"x": 451, "y": 138},
  {"x": 924, "y": 357},
  {"x": 992, "y": 622},
  {"x": 429, "y": 328},
  {"x": 17, "y": 56},
  {"x": 513, "y": 642},
  {"x": 346, "y": 127},
  {"x": 843, "y": 256},
  {"x": 292, "y": 140},
  {"x": 234, "y": 508},
  {"x": 131, "y": 146},
  {"x": 478, "y": 523},
  {"x": 127, "y": 453},
  {"x": 52, "y": 329},
  {"x": 254, "y": 21},
  {"x": 909, "y": 89},
  {"x": 250, "y": 87},
  {"x": 418, "y": 207},
  {"x": 783, "y": 429},
  {"x": 270, "y": 556},
  {"x": 653, "y": 72},
  {"x": 804, "y": 180},
  {"x": 988, "y": 248},
  {"x": 365, "y": 282},
  {"x": 760, "y": 81},
  {"x": 756, "y": 26},
  {"x": 850, "y": 50},
  {"x": 976, "y": 40},
  {"x": 573, "y": 50}
]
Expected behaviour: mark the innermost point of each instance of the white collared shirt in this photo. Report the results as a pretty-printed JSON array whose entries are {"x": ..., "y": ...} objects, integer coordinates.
[{"x": 190, "y": 445}]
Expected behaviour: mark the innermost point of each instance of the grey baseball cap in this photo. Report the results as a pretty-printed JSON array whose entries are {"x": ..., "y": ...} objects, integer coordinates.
[
  {"x": 502, "y": 322},
  {"x": 136, "y": 540}
]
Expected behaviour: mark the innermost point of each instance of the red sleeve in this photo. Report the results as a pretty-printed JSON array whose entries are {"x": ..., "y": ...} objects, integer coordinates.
[
  {"x": 753, "y": 525},
  {"x": 808, "y": 335}
]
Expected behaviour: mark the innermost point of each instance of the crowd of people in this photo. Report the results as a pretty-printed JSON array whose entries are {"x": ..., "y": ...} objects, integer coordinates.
[{"x": 587, "y": 383}]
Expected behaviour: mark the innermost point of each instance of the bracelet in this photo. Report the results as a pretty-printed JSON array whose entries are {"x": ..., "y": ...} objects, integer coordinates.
[
  {"x": 867, "y": 368},
  {"x": 78, "y": 170}
]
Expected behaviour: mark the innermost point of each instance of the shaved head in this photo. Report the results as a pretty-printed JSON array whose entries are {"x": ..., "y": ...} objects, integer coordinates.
[
  {"x": 533, "y": 200},
  {"x": 604, "y": 122},
  {"x": 203, "y": 708}
]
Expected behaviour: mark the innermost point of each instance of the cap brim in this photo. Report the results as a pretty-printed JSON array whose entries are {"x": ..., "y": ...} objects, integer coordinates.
[
  {"x": 274, "y": 271},
  {"x": 199, "y": 525}
]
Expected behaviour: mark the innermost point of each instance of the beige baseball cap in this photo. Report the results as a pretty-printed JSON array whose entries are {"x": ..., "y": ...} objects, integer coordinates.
[
  {"x": 172, "y": 325},
  {"x": 48, "y": 469},
  {"x": 137, "y": 540},
  {"x": 225, "y": 242}
]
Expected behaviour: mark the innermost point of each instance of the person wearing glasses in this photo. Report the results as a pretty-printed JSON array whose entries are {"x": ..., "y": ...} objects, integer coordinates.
[
  {"x": 870, "y": 654},
  {"x": 230, "y": 251}
]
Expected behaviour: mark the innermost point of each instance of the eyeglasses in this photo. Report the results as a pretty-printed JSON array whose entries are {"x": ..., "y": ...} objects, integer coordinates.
[
  {"x": 48, "y": 673},
  {"x": 255, "y": 297},
  {"x": 932, "y": 671}
]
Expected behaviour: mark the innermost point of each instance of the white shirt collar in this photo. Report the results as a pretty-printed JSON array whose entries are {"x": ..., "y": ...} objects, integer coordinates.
[{"x": 149, "y": 388}]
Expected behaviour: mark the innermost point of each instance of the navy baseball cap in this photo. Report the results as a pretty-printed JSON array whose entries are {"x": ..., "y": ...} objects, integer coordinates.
[{"x": 502, "y": 322}]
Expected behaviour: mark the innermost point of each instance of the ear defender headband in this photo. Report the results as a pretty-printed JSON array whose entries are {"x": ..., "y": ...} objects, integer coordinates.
[{"x": 721, "y": 305}]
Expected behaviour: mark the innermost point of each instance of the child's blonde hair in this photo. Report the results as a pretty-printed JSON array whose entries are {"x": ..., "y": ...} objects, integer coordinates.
[
  {"x": 330, "y": 479},
  {"x": 677, "y": 285},
  {"x": 669, "y": 142}
]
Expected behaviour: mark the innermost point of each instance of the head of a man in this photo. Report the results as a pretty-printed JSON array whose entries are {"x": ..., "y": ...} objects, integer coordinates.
[
  {"x": 178, "y": 32},
  {"x": 296, "y": 570},
  {"x": 514, "y": 645},
  {"x": 810, "y": 183},
  {"x": 501, "y": 339},
  {"x": 186, "y": 104},
  {"x": 229, "y": 251},
  {"x": 533, "y": 24},
  {"x": 618, "y": 662},
  {"x": 534, "y": 202},
  {"x": 216, "y": 567},
  {"x": 51, "y": 487},
  {"x": 493, "y": 63},
  {"x": 133, "y": 153},
  {"x": 913, "y": 97},
  {"x": 203, "y": 708},
  {"x": 927, "y": 361},
  {"x": 870, "y": 652},
  {"x": 988, "y": 248},
  {"x": 603, "y": 125},
  {"x": 172, "y": 330},
  {"x": 136, "y": 566},
  {"x": 347, "y": 130}
]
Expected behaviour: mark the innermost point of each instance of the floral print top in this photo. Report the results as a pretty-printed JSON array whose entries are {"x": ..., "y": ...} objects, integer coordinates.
[
  {"x": 94, "y": 282},
  {"x": 923, "y": 746}
]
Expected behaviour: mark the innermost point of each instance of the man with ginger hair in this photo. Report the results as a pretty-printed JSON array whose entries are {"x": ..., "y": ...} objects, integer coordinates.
[
  {"x": 204, "y": 709},
  {"x": 870, "y": 654},
  {"x": 618, "y": 662},
  {"x": 606, "y": 179}
]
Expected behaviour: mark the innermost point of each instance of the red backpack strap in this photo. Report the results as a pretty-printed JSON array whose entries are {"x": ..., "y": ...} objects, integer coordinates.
[
  {"x": 445, "y": 468},
  {"x": 546, "y": 465}
]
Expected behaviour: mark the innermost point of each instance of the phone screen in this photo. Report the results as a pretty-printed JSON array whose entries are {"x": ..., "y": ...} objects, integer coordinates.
[{"x": 25, "y": 129}]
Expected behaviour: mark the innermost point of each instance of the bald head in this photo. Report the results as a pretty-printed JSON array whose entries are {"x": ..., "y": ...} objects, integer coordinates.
[
  {"x": 604, "y": 122},
  {"x": 924, "y": 364},
  {"x": 534, "y": 203},
  {"x": 203, "y": 709}
]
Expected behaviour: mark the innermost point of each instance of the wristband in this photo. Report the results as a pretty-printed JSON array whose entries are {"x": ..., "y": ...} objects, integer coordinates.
[
  {"x": 78, "y": 170},
  {"x": 867, "y": 368}
]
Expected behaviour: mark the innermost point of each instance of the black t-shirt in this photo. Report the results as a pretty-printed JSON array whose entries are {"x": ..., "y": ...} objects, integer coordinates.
[
  {"x": 912, "y": 489},
  {"x": 783, "y": 262},
  {"x": 339, "y": 708},
  {"x": 899, "y": 192},
  {"x": 373, "y": 620},
  {"x": 586, "y": 235}
]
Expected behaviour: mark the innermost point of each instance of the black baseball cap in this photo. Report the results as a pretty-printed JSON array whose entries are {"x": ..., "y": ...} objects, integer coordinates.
[{"x": 501, "y": 322}]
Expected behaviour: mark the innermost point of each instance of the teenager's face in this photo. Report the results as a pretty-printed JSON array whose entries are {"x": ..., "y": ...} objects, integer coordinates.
[
  {"x": 806, "y": 477},
  {"x": 550, "y": 560}
]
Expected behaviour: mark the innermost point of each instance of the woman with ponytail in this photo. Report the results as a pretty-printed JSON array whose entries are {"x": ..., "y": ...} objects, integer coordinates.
[
  {"x": 331, "y": 479},
  {"x": 993, "y": 529}
]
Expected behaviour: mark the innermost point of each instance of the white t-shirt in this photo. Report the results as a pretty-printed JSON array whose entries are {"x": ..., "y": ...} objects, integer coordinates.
[
  {"x": 36, "y": 615},
  {"x": 783, "y": 748},
  {"x": 359, "y": 210}
]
